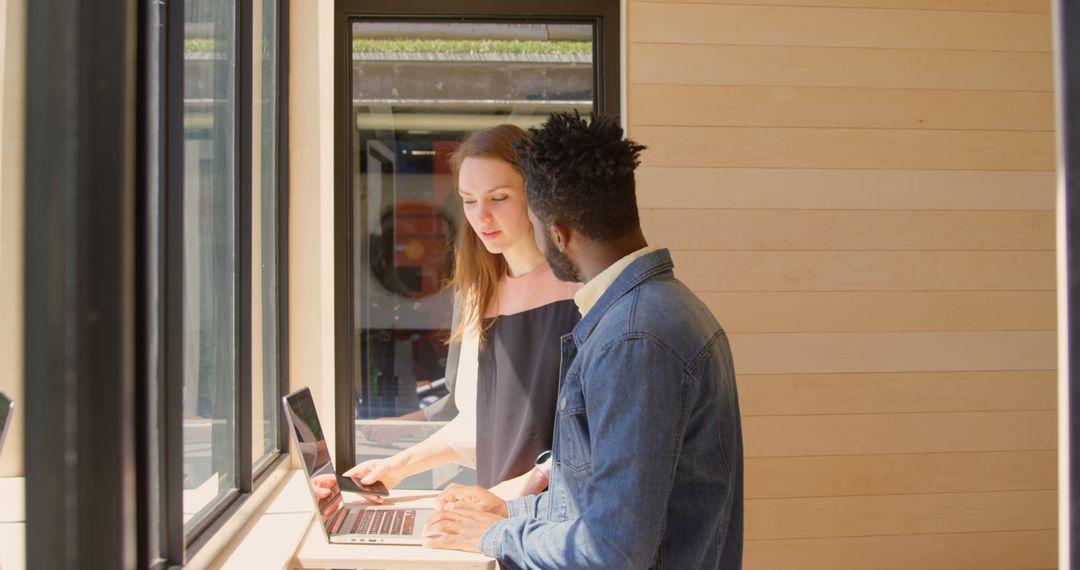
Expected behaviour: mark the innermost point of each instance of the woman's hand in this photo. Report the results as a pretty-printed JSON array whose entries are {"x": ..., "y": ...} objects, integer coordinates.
[{"x": 388, "y": 470}]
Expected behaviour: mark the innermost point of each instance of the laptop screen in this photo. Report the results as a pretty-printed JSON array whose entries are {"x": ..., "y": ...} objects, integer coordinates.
[
  {"x": 314, "y": 453},
  {"x": 5, "y": 417}
]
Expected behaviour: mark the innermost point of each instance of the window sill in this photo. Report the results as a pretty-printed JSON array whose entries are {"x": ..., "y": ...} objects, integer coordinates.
[
  {"x": 273, "y": 533},
  {"x": 12, "y": 523}
]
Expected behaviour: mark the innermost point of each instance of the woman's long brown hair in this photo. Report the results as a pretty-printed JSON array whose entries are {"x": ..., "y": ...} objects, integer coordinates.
[{"x": 476, "y": 270}]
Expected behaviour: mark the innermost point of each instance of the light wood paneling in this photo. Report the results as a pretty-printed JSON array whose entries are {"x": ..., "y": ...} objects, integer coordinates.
[
  {"x": 877, "y": 434},
  {"x": 848, "y": 230},
  {"x": 862, "y": 192},
  {"x": 846, "y": 148},
  {"x": 900, "y": 514},
  {"x": 859, "y": 311},
  {"x": 1015, "y": 550},
  {"x": 838, "y": 67},
  {"x": 755, "y": 106},
  {"x": 809, "y": 26},
  {"x": 705, "y": 271},
  {"x": 1023, "y": 6},
  {"x": 801, "y": 394},
  {"x": 811, "y": 353},
  {"x": 918, "y": 473},
  {"x": 821, "y": 189}
]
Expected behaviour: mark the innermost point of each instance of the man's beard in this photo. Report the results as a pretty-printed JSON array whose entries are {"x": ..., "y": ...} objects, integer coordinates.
[{"x": 561, "y": 265}]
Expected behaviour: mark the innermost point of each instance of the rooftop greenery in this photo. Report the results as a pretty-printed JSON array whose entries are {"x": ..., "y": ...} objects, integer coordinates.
[
  {"x": 471, "y": 46},
  {"x": 202, "y": 45}
]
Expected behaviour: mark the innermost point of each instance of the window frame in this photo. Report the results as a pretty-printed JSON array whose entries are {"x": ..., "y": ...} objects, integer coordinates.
[
  {"x": 175, "y": 545},
  {"x": 604, "y": 14}
]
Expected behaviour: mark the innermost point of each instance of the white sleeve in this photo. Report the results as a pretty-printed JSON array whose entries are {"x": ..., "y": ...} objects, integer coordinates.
[{"x": 460, "y": 432}]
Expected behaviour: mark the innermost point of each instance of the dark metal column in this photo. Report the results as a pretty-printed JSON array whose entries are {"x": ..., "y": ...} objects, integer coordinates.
[{"x": 80, "y": 351}]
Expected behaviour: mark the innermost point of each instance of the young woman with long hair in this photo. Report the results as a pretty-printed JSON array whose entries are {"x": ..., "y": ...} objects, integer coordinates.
[{"x": 510, "y": 311}]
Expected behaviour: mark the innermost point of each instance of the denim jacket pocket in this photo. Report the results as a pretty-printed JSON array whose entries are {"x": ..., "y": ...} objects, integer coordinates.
[{"x": 574, "y": 448}]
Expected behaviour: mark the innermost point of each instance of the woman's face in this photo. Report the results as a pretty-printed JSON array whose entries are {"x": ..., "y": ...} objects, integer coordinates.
[{"x": 492, "y": 192}]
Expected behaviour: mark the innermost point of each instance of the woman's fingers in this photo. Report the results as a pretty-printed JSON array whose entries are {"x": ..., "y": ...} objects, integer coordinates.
[
  {"x": 358, "y": 470},
  {"x": 374, "y": 473}
]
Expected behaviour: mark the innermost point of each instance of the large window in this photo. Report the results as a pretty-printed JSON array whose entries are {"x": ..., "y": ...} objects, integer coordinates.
[
  {"x": 210, "y": 256},
  {"x": 220, "y": 222},
  {"x": 155, "y": 298},
  {"x": 417, "y": 85}
]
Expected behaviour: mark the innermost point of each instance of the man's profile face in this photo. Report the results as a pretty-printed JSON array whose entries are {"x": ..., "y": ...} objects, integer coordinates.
[{"x": 561, "y": 265}]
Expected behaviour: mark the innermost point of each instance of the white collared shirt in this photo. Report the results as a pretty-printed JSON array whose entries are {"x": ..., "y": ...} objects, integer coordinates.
[{"x": 588, "y": 295}]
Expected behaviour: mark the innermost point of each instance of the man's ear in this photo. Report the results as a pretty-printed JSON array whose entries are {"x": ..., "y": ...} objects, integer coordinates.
[{"x": 560, "y": 234}]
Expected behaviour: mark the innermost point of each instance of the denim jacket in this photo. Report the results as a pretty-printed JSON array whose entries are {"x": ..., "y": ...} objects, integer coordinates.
[{"x": 648, "y": 467}]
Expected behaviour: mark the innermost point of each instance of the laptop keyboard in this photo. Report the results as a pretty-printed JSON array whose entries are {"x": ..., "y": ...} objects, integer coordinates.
[{"x": 382, "y": 521}]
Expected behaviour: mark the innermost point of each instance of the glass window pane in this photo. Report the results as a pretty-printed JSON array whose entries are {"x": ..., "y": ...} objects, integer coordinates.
[
  {"x": 266, "y": 405},
  {"x": 209, "y": 256},
  {"x": 417, "y": 90}
]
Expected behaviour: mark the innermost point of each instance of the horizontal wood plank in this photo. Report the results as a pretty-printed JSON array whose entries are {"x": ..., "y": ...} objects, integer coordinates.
[
  {"x": 733, "y": 24},
  {"x": 811, "y": 189},
  {"x": 1023, "y": 6},
  {"x": 674, "y": 64},
  {"x": 968, "y": 391},
  {"x": 883, "y": 311},
  {"x": 848, "y": 230},
  {"x": 755, "y": 147},
  {"x": 900, "y": 514},
  {"x": 865, "y": 270},
  {"x": 811, "y": 353},
  {"x": 825, "y": 107},
  {"x": 1010, "y": 550},
  {"x": 918, "y": 473},
  {"x": 877, "y": 434}
]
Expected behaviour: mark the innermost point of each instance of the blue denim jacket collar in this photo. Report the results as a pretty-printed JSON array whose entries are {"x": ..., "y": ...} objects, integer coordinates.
[{"x": 636, "y": 273}]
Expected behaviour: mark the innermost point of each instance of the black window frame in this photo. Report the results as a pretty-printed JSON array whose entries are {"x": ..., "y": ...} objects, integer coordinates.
[
  {"x": 103, "y": 171},
  {"x": 603, "y": 14},
  {"x": 1067, "y": 94},
  {"x": 175, "y": 545}
]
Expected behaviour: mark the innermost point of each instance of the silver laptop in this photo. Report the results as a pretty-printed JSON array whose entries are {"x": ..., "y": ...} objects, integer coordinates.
[
  {"x": 343, "y": 522},
  {"x": 7, "y": 409}
]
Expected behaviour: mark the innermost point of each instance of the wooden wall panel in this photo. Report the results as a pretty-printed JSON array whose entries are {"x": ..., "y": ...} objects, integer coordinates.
[
  {"x": 1023, "y": 6},
  {"x": 717, "y": 230},
  {"x": 731, "y": 24},
  {"x": 862, "y": 191},
  {"x": 876, "y": 434},
  {"x": 705, "y": 271},
  {"x": 787, "y": 353},
  {"x": 768, "y": 106},
  {"x": 903, "y": 474},
  {"x": 901, "y": 514},
  {"x": 871, "y": 393},
  {"x": 889, "y": 311},
  {"x": 846, "y": 148},
  {"x": 1012, "y": 550},
  {"x": 830, "y": 189},
  {"x": 838, "y": 67}
]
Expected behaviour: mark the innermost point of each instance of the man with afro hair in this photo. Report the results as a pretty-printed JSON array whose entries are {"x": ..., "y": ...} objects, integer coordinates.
[{"x": 647, "y": 460}]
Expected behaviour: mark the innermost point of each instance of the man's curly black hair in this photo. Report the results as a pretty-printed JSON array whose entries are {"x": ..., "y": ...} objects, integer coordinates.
[{"x": 581, "y": 174}]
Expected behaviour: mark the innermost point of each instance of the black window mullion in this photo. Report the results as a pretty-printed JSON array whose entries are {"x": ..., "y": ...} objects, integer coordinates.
[
  {"x": 344, "y": 369},
  {"x": 172, "y": 437},
  {"x": 244, "y": 191},
  {"x": 1067, "y": 42},
  {"x": 282, "y": 221},
  {"x": 149, "y": 270}
]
